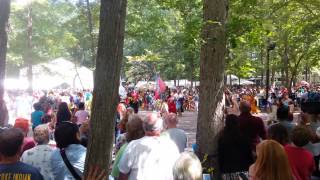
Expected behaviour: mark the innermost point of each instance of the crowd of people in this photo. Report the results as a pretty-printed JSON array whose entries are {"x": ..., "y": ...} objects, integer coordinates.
[{"x": 52, "y": 143}]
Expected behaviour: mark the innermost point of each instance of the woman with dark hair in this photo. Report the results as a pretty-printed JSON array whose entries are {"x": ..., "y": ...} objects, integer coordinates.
[
  {"x": 67, "y": 136},
  {"x": 234, "y": 150},
  {"x": 63, "y": 113},
  {"x": 278, "y": 133}
]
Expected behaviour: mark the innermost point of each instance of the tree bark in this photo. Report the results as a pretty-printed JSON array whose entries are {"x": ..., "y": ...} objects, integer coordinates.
[
  {"x": 4, "y": 16},
  {"x": 212, "y": 67},
  {"x": 105, "y": 93},
  {"x": 90, "y": 26}
]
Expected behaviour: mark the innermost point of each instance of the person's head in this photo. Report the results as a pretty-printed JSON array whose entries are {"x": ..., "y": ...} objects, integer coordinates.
[
  {"x": 300, "y": 136},
  {"x": 37, "y": 106},
  {"x": 66, "y": 133},
  {"x": 245, "y": 107},
  {"x": 187, "y": 167},
  {"x": 272, "y": 162},
  {"x": 134, "y": 128},
  {"x": 11, "y": 140},
  {"x": 283, "y": 113},
  {"x": 41, "y": 134},
  {"x": 278, "y": 133},
  {"x": 63, "y": 113},
  {"x": 23, "y": 125},
  {"x": 171, "y": 120},
  {"x": 81, "y": 106},
  {"x": 152, "y": 124}
]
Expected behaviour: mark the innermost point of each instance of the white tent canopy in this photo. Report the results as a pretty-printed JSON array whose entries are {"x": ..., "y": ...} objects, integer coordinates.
[
  {"x": 59, "y": 71},
  {"x": 242, "y": 82}
]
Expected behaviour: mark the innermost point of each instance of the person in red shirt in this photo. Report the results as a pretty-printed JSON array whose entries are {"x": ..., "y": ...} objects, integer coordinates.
[
  {"x": 301, "y": 161},
  {"x": 172, "y": 105},
  {"x": 251, "y": 127}
]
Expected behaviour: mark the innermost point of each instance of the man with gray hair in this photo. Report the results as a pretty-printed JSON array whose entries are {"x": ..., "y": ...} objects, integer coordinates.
[
  {"x": 39, "y": 156},
  {"x": 178, "y": 136},
  {"x": 151, "y": 157}
]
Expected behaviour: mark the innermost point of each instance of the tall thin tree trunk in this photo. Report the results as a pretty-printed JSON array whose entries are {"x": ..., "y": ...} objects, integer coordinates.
[
  {"x": 105, "y": 93},
  {"x": 28, "y": 56},
  {"x": 90, "y": 26},
  {"x": 262, "y": 64},
  {"x": 4, "y": 16},
  {"x": 212, "y": 67}
]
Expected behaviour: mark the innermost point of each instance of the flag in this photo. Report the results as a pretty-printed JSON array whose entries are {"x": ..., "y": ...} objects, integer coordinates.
[{"x": 160, "y": 87}]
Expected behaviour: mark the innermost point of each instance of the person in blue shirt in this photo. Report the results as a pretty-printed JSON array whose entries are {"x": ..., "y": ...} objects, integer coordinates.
[
  {"x": 10, "y": 150},
  {"x": 67, "y": 136},
  {"x": 36, "y": 115}
]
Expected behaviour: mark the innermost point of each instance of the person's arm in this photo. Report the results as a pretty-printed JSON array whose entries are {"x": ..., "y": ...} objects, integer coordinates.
[
  {"x": 263, "y": 132},
  {"x": 123, "y": 176}
]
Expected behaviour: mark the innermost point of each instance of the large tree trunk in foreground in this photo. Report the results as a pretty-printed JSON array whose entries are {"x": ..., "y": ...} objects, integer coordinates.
[
  {"x": 212, "y": 66},
  {"x": 4, "y": 16},
  {"x": 106, "y": 86}
]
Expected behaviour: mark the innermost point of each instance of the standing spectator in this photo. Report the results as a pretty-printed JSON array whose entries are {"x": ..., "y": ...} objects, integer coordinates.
[
  {"x": 36, "y": 115},
  {"x": 301, "y": 160},
  {"x": 178, "y": 136},
  {"x": 63, "y": 113},
  {"x": 134, "y": 131},
  {"x": 67, "y": 136},
  {"x": 28, "y": 142},
  {"x": 39, "y": 156},
  {"x": 283, "y": 117},
  {"x": 172, "y": 105},
  {"x": 150, "y": 157},
  {"x": 10, "y": 150},
  {"x": 250, "y": 126},
  {"x": 271, "y": 164},
  {"x": 187, "y": 167},
  {"x": 278, "y": 133},
  {"x": 82, "y": 115},
  {"x": 234, "y": 150}
]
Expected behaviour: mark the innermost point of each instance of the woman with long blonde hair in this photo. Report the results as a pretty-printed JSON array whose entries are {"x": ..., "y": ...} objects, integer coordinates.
[{"x": 271, "y": 164}]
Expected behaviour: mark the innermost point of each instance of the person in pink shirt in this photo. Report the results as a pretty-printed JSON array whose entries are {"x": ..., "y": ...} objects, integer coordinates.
[
  {"x": 301, "y": 160},
  {"x": 82, "y": 115}
]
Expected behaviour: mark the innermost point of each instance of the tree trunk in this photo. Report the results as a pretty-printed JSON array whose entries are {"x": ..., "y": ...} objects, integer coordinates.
[
  {"x": 262, "y": 64},
  {"x": 28, "y": 56},
  {"x": 105, "y": 93},
  {"x": 212, "y": 67},
  {"x": 4, "y": 16},
  {"x": 90, "y": 26}
]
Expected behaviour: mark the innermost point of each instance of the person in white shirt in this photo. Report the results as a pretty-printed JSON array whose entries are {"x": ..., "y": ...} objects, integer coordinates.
[
  {"x": 151, "y": 157},
  {"x": 39, "y": 156},
  {"x": 178, "y": 136},
  {"x": 82, "y": 115}
]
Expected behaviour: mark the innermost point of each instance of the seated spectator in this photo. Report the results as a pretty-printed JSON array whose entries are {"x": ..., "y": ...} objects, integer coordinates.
[
  {"x": 28, "y": 142},
  {"x": 39, "y": 156},
  {"x": 283, "y": 118},
  {"x": 301, "y": 160},
  {"x": 67, "y": 137},
  {"x": 36, "y": 115},
  {"x": 178, "y": 136},
  {"x": 271, "y": 164},
  {"x": 10, "y": 150},
  {"x": 251, "y": 127},
  {"x": 234, "y": 150},
  {"x": 187, "y": 167},
  {"x": 134, "y": 131},
  {"x": 278, "y": 133},
  {"x": 82, "y": 115},
  {"x": 150, "y": 157}
]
